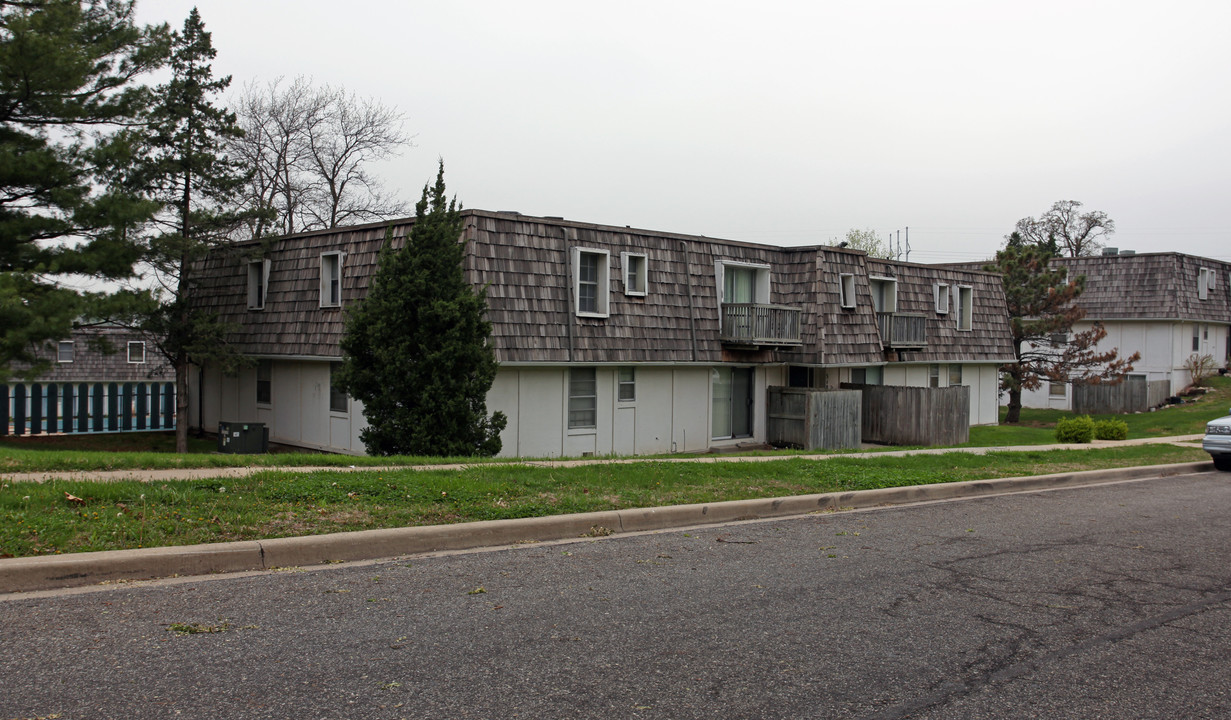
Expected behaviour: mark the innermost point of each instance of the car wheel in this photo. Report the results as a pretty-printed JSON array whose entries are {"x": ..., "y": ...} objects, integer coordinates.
[{"x": 1223, "y": 463}]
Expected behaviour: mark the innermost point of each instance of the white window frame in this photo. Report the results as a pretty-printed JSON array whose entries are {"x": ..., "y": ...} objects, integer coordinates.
[
  {"x": 629, "y": 384},
  {"x": 575, "y": 402},
  {"x": 258, "y": 284},
  {"x": 891, "y": 304},
  {"x": 635, "y": 283},
  {"x": 955, "y": 375},
  {"x": 137, "y": 344},
  {"x": 602, "y": 296},
  {"x": 60, "y": 351},
  {"x": 327, "y": 299},
  {"x": 846, "y": 290},
  {"x": 934, "y": 375},
  {"x": 762, "y": 284},
  {"x": 1205, "y": 283},
  {"x": 965, "y": 311},
  {"x": 940, "y": 293}
]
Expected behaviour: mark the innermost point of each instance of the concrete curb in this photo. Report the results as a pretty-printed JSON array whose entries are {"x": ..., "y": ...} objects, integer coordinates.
[{"x": 60, "y": 571}]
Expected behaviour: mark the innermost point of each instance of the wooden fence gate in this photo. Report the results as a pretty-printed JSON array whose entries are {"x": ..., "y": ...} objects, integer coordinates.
[
  {"x": 47, "y": 408},
  {"x": 897, "y": 415},
  {"x": 810, "y": 418}
]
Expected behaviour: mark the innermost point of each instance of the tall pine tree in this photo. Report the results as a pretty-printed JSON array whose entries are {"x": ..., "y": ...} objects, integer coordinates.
[
  {"x": 189, "y": 172},
  {"x": 1042, "y": 311},
  {"x": 415, "y": 349},
  {"x": 68, "y": 93}
]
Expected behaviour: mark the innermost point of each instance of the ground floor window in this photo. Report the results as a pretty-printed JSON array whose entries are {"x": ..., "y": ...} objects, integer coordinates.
[
  {"x": 264, "y": 378},
  {"x": 1057, "y": 389},
  {"x": 732, "y": 403},
  {"x": 934, "y": 376},
  {"x": 337, "y": 398},
  {"x": 627, "y": 384},
  {"x": 955, "y": 375},
  {"x": 867, "y": 376},
  {"x": 582, "y": 398}
]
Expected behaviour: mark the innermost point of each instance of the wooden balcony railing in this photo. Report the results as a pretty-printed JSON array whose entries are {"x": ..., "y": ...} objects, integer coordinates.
[
  {"x": 754, "y": 324},
  {"x": 901, "y": 330}
]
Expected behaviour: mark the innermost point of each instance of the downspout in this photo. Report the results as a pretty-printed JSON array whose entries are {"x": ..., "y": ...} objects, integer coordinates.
[
  {"x": 692, "y": 320},
  {"x": 568, "y": 291}
]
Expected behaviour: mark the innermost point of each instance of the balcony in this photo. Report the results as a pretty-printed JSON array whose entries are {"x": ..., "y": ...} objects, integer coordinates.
[
  {"x": 755, "y": 324},
  {"x": 902, "y": 331}
]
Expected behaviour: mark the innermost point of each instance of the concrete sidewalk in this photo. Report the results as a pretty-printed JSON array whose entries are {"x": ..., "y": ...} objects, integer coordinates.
[{"x": 230, "y": 472}]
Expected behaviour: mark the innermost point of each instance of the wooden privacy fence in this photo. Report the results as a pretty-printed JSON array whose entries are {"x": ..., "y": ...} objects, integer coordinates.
[
  {"x": 42, "y": 408},
  {"x": 1135, "y": 394},
  {"x": 896, "y": 415},
  {"x": 808, "y": 418}
]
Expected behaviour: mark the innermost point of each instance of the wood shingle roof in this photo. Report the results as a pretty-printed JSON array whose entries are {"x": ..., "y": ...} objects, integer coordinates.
[{"x": 525, "y": 265}]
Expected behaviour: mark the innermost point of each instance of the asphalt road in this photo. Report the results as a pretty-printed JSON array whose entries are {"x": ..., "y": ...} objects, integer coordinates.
[{"x": 1103, "y": 602}]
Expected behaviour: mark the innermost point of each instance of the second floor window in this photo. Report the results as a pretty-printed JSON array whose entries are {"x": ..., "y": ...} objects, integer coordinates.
[
  {"x": 331, "y": 279},
  {"x": 64, "y": 353},
  {"x": 965, "y": 308},
  {"x": 635, "y": 274},
  {"x": 258, "y": 280},
  {"x": 591, "y": 289},
  {"x": 136, "y": 352},
  {"x": 846, "y": 290}
]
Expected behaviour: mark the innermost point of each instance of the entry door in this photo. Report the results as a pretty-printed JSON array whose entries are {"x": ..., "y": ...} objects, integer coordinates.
[
  {"x": 732, "y": 403},
  {"x": 741, "y": 402}
]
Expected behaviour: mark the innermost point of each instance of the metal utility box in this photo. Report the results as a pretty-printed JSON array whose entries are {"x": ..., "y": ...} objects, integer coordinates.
[{"x": 243, "y": 438}]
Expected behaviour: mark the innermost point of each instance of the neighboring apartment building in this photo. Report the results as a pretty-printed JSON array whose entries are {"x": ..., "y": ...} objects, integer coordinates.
[
  {"x": 610, "y": 339},
  {"x": 101, "y": 378},
  {"x": 1166, "y": 306}
]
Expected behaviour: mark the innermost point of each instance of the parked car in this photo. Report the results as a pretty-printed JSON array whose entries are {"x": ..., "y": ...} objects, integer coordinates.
[{"x": 1217, "y": 442}]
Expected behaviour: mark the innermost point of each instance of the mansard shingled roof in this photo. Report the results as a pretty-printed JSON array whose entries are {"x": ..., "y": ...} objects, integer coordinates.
[
  {"x": 1151, "y": 286},
  {"x": 989, "y": 339},
  {"x": 523, "y": 263}
]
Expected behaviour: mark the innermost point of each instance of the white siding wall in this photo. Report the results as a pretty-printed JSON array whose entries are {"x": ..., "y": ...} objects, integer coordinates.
[
  {"x": 1164, "y": 346},
  {"x": 671, "y": 412}
]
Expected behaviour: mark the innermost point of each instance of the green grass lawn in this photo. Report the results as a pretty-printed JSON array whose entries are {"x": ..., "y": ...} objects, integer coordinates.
[
  {"x": 154, "y": 450},
  {"x": 1037, "y": 427},
  {"x": 40, "y": 519}
]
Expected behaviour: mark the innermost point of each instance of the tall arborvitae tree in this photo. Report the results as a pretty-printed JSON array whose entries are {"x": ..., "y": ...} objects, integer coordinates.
[
  {"x": 415, "y": 349},
  {"x": 1042, "y": 312},
  {"x": 189, "y": 172},
  {"x": 67, "y": 93}
]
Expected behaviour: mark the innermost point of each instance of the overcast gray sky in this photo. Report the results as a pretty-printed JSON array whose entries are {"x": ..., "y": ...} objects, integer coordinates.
[{"x": 783, "y": 122}]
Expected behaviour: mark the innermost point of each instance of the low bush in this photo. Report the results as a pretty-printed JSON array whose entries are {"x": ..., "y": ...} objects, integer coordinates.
[
  {"x": 1111, "y": 430},
  {"x": 1078, "y": 429}
]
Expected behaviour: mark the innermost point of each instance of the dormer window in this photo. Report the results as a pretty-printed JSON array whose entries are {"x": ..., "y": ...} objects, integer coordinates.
[
  {"x": 258, "y": 281},
  {"x": 64, "y": 353},
  {"x": 1205, "y": 282},
  {"x": 940, "y": 293},
  {"x": 136, "y": 352},
  {"x": 846, "y": 290},
  {"x": 635, "y": 273},
  {"x": 965, "y": 307},
  {"x": 592, "y": 288},
  {"x": 884, "y": 294},
  {"x": 743, "y": 282},
  {"x": 331, "y": 279}
]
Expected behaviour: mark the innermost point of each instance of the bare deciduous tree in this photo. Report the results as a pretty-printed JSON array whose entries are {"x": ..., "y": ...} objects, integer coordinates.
[
  {"x": 310, "y": 149},
  {"x": 1066, "y": 230}
]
